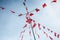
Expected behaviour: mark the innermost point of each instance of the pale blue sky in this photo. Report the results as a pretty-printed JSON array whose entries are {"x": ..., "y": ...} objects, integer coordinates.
[{"x": 11, "y": 25}]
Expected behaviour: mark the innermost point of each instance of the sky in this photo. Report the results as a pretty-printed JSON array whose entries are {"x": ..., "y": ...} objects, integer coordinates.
[{"x": 11, "y": 24}]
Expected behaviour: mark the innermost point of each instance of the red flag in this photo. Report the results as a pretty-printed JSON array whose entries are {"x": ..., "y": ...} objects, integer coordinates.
[
  {"x": 34, "y": 25},
  {"x": 31, "y": 14},
  {"x": 2, "y": 8},
  {"x": 37, "y": 10},
  {"x": 44, "y": 5},
  {"x": 25, "y": 26},
  {"x": 54, "y": 1},
  {"x": 29, "y": 20},
  {"x": 39, "y": 26}
]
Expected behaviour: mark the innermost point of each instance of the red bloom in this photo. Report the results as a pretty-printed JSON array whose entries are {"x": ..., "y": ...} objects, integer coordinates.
[
  {"x": 37, "y": 9},
  {"x": 29, "y": 20},
  {"x": 44, "y": 5},
  {"x": 31, "y": 14},
  {"x": 54, "y": 1}
]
